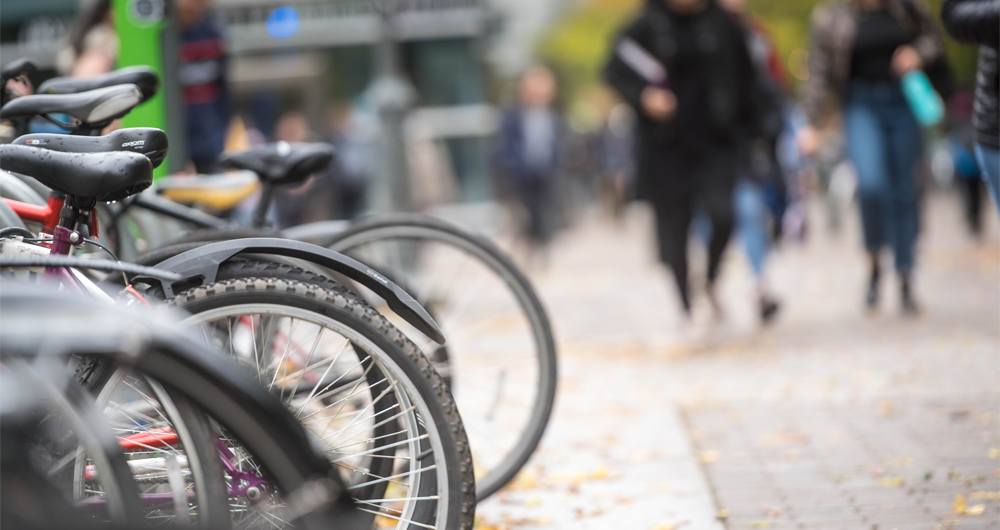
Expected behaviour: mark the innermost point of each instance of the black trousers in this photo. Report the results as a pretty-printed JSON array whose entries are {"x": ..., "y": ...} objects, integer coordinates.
[{"x": 684, "y": 187}]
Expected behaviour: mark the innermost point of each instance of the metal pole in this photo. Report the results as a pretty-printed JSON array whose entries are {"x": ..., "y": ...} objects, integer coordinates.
[{"x": 393, "y": 96}]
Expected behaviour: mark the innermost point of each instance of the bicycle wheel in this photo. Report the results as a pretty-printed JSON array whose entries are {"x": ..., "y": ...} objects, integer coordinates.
[
  {"x": 252, "y": 420},
  {"x": 349, "y": 376},
  {"x": 171, "y": 448},
  {"x": 501, "y": 355},
  {"x": 49, "y": 421}
]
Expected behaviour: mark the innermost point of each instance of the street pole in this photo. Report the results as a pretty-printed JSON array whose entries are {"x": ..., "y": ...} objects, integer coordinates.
[{"x": 393, "y": 96}]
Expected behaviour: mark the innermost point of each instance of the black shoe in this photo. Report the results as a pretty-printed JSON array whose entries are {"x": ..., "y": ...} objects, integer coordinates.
[
  {"x": 909, "y": 304},
  {"x": 768, "y": 309}
]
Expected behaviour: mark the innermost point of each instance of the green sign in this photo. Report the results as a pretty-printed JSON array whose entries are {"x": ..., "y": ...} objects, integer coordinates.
[{"x": 140, "y": 25}]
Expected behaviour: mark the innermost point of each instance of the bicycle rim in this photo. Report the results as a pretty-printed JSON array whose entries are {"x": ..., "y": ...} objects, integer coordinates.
[
  {"x": 450, "y": 272},
  {"x": 294, "y": 351}
]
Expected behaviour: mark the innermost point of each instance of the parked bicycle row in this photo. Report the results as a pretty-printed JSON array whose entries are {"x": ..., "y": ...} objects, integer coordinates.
[{"x": 168, "y": 365}]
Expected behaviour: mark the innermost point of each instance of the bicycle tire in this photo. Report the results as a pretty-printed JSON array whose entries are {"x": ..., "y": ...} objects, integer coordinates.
[
  {"x": 251, "y": 282},
  {"x": 196, "y": 438},
  {"x": 417, "y": 225},
  {"x": 208, "y": 378}
]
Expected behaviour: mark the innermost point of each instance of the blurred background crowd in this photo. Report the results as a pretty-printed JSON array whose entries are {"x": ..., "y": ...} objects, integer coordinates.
[{"x": 526, "y": 115}]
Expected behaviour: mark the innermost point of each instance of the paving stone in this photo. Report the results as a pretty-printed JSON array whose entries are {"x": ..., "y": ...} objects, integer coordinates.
[{"x": 805, "y": 416}]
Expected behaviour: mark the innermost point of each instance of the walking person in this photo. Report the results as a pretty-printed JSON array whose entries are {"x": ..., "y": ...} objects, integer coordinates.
[
  {"x": 978, "y": 22},
  {"x": 860, "y": 50},
  {"x": 529, "y": 155},
  {"x": 760, "y": 170},
  {"x": 684, "y": 67},
  {"x": 205, "y": 90}
]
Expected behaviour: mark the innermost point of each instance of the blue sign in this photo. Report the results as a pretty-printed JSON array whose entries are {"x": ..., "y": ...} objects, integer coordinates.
[{"x": 283, "y": 22}]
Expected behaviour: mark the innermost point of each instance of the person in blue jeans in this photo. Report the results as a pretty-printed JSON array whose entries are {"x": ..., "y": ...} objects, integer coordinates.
[
  {"x": 884, "y": 142},
  {"x": 860, "y": 50},
  {"x": 976, "y": 21}
]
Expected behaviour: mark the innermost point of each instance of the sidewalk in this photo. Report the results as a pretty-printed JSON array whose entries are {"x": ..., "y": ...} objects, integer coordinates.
[{"x": 832, "y": 418}]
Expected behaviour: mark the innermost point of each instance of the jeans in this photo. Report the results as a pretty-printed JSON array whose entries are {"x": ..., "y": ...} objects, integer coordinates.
[
  {"x": 989, "y": 165},
  {"x": 751, "y": 222},
  {"x": 884, "y": 142}
]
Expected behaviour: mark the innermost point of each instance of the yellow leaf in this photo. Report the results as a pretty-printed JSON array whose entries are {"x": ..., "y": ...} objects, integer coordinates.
[
  {"x": 993, "y": 453},
  {"x": 708, "y": 457},
  {"x": 665, "y": 526},
  {"x": 959, "y": 506},
  {"x": 985, "y": 495},
  {"x": 760, "y": 524},
  {"x": 723, "y": 514},
  {"x": 891, "y": 482},
  {"x": 534, "y": 501},
  {"x": 975, "y": 509},
  {"x": 602, "y": 472}
]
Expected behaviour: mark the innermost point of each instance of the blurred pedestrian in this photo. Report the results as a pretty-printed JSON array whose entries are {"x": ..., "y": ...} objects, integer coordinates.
[
  {"x": 684, "y": 67},
  {"x": 292, "y": 127},
  {"x": 93, "y": 44},
  {"x": 961, "y": 137},
  {"x": 978, "y": 21},
  {"x": 529, "y": 154},
  {"x": 760, "y": 173},
  {"x": 352, "y": 168},
  {"x": 202, "y": 75},
  {"x": 860, "y": 50}
]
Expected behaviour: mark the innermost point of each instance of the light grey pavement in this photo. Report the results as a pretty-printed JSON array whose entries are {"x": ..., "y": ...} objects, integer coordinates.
[{"x": 832, "y": 418}]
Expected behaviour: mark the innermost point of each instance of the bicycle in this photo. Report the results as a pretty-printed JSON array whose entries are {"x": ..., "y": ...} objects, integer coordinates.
[
  {"x": 399, "y": 243},
  {"x": 386, "y": 355},
  {"x": 256, "y": 423}
]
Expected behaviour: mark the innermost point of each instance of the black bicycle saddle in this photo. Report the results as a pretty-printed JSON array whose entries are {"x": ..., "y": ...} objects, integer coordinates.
[
  {"x": 100, "y": 176},
  {"x": 15, "y": 68},
  {"x": 143, "y": 77},
  {"x": 91, "y": 107},
  {"x": 282, "y": 162},
  {"x": 143, "y": 140}
]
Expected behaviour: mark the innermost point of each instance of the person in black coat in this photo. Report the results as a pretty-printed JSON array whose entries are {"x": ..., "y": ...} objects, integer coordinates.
[
  {"x": 684, "y": 67},
  {"x": 978, "y": 22}
]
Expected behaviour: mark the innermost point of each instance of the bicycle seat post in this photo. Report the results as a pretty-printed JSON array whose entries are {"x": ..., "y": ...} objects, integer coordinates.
[
  {"x": 75, "y": 212},
  {"x": 266, "y": 197}
]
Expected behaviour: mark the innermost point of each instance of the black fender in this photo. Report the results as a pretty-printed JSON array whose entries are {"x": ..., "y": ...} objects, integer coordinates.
[{"x": 202, "y": 265}]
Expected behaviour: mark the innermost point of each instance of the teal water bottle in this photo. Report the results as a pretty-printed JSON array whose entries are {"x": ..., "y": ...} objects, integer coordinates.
[{"x": 924, "y": 101}]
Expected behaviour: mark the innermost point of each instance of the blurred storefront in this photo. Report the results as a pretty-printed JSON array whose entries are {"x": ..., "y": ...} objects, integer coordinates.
[{"x": 451, "y": 51}]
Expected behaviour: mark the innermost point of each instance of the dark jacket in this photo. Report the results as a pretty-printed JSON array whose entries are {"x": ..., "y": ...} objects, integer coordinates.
[
  {"x": 978, "y": 22},
  {"x": 513, "y": 153},
  {"x": 711, "y": 74},
  {"x": 834, "y": 27}
]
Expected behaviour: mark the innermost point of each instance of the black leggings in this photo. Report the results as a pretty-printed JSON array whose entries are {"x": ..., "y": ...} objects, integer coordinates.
[{"x": 707, "y": 185}]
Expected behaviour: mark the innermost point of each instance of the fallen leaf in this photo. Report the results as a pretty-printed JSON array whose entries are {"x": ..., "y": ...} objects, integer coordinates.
[
  {"x": 708, "y": 457},
  {"x": 975, "y": 509},
  {"x": 534, "y": 501},
  {"x": 723, "y": 514},
  {"x": 885, "y": 408},
  {"x": 891, "y": 482},
  {"x": 993, "y": 453},
  {"x": 959, "y": 506},
  {"x": 985, "y": 495},
  {"x": 971, "y": 481},
  {"x": 665, "y": 526},
  {"x": 760, "y": 524}
]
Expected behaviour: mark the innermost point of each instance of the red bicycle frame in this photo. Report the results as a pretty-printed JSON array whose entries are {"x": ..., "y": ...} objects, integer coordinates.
[{"x": 47, "y": 216}]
